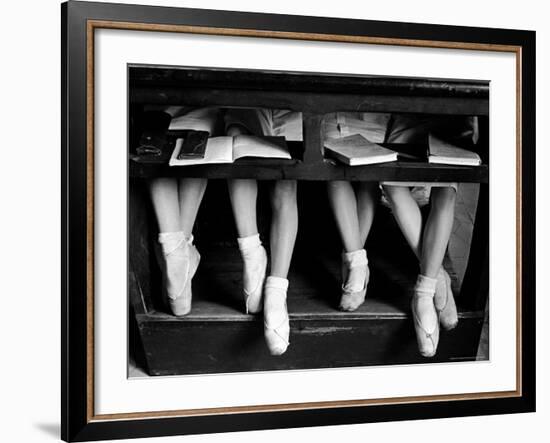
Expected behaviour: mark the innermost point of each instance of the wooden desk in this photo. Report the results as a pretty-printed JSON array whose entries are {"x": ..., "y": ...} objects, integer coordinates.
[
  {"x": 315, "y": 324},
  {"x": 314, "y": 96}
]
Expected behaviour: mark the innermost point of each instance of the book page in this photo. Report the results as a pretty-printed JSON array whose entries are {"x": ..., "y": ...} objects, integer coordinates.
[
  {"x": 263, "y": 147},
  {"x": 218, "y": 150},
  {"x": 349, "y": 142}
]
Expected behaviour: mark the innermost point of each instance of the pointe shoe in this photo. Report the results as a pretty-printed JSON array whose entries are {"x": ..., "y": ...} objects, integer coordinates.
[
  {"x": 444, "y": 301},
  {"x": 276, "y": 321},
  {"x": 354, "y": 262},
  {"x": 254, "y": 270},
  {"x": 181, "y": 260},
  {"x": 426, "y": 321}
]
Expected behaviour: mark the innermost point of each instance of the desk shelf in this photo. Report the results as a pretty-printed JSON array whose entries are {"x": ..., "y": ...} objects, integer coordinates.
[{"x": 324, "y": 170}]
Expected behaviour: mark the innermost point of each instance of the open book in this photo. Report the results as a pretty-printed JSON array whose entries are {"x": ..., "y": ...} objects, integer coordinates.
[
  {"x": 440, "y": 151},
  {"x": 356, "y": 150},
  {"x": 228, "y": 149}
]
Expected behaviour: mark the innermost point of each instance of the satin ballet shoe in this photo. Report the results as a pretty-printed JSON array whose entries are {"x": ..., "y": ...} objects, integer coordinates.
[
  {"x": 181, "y": 260},
  {"x": 276, "y": 320},
  {"x": 351, "y": 300},
  {"x": 276, "y": 338},
  {"x": 426, "y": 321},
  {"x": 355, "y": 262},
  {"x": 254, "y": 271},
  {"x": 181, "y": 305},
  {"x": 444, "y": 301}
]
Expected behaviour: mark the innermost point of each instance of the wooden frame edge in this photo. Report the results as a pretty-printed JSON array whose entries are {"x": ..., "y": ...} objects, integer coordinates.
[
  {"x": 92, "y": 24},
  {"x": 258, "y": 33},
  {"x": 90, "y": 207},
  {"x": 285, "y": 407}
]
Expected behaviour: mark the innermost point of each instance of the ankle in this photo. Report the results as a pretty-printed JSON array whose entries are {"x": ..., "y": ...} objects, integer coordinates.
[
  {"x": 171, "y": 241},
  {"x": 279, "y": 284},
  {"x": 275, "y": 293},
  {"x": 249, "y": 245},
  {"x": 275, "y": 290},
  {"x": 355, "y": 258},
  {"x": 355, "y": 272},
  {"x": 425, "y": 286}
]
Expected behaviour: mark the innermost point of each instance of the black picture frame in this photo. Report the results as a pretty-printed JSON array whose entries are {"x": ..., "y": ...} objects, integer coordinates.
[{"x": 78, "y": 420}]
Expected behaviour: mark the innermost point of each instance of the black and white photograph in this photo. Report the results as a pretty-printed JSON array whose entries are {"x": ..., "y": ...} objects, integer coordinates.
[
  {"x": 282, "y": 220},
  {"x": 270, "y": 222}
]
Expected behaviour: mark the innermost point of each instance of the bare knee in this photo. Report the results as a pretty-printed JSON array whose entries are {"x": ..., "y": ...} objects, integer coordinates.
[
  {"x": 283, "y": 197},
  {"x": 234, "y": 130},
  {"x": 369, "y": 187},
  {"x": 162, "y": 185},
  {"x": 335, "y": 188},
  {"x": 394, "y": 193},
  {"x": 191, "y": 183},
  {"x": 443, "y": 198},
  {"x": 337, "y": 184},
  {"x": 368, "y": 190}
]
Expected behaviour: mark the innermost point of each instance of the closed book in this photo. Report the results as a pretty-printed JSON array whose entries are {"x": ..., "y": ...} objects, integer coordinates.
[
  {"x": 442, "y": 152},
  {"x": 356, "y": 150}
]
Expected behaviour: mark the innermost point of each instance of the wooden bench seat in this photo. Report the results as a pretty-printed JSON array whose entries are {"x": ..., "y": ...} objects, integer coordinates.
[{"x": 218, "y": 336}]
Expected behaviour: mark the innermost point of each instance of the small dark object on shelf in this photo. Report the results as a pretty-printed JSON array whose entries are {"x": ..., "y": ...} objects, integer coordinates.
[
  {"x": 194, "y": 145},
  {"x": 152, "y": 144}
]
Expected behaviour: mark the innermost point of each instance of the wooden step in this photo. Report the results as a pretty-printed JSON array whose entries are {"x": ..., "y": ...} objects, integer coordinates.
[{"x": 219, "y": 337}]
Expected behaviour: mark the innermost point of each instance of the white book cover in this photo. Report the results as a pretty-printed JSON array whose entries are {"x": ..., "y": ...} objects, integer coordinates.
[
  {"x": 356, "y": 150},
  {"x": 442, "y": 152}
]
